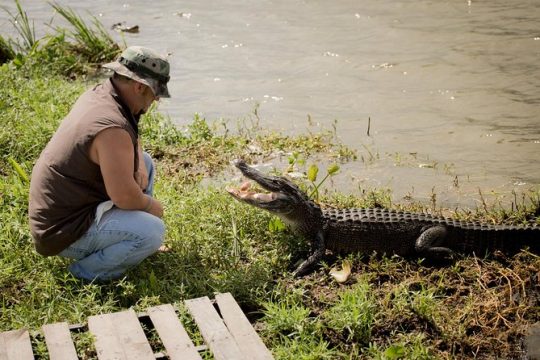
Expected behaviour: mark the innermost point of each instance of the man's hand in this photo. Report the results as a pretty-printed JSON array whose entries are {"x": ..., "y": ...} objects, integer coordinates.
[{"x": 156, "y": 208}]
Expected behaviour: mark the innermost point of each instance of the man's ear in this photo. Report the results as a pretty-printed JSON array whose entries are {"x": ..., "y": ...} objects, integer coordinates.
[{"x": 139, "y": 87}]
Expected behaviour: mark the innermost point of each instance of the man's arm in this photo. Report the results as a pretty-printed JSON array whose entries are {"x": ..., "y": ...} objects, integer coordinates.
[{"x": 112, "y": 150}]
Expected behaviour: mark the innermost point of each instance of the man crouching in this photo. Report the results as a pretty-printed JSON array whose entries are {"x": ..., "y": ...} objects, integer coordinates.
[{"x": 91, "y": 188}]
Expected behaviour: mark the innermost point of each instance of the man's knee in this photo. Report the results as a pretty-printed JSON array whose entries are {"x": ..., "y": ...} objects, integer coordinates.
[{"x": 154, "y": 233}]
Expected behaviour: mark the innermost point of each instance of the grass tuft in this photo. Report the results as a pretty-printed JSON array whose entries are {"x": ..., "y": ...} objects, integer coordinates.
[
  {"x": 24, "y": 27},
  {"x": 353, "y": 314},
  {"x": 70, "y": 53},
  {"x": 94, "y": 43}
]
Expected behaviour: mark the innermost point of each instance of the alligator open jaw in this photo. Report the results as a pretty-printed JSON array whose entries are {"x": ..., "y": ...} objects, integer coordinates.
[
  {"x": 275, "y": 200},
  {"x": 244, "y": 193}
]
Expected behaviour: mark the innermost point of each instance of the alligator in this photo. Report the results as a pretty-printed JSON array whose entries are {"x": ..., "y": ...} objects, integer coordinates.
[{"x": 379, "y": 230}]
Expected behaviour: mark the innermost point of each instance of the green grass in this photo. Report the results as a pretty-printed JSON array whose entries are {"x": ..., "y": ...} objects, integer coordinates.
[
  {"x": 352, "y": 316},
  {"x": 30, "y": 111},
  {"x": 390, "y": 308}
]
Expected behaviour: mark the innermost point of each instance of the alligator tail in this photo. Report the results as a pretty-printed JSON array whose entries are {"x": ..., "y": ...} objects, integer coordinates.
[{"x": 508, "y": 239}]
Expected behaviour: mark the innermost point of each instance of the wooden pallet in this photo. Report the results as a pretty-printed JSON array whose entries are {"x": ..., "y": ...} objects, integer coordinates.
[{"x": 227, "y": 335}]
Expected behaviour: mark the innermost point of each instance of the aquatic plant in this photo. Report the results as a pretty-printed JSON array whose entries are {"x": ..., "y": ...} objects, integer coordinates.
[
  {"x": 72, "y": 52},
  {"x": 94, "y": 43},
  {"x": 24, "y": 27}
]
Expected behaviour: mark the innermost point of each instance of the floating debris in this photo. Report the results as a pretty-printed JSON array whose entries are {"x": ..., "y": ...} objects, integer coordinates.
[
  {"x": 124, "y": 28},
  {"x": 183, "y": 14},
  {"x": 329, "y": 53},
  {"x": 383, "y": 66}
]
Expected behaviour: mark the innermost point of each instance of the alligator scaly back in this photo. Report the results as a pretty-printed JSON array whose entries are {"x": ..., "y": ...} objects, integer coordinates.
[
  {"x": 466, "y": 237},
  {"x": 378, "y": 230}
]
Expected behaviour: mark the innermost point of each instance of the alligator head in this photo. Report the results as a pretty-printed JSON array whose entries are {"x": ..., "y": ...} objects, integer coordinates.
[{"x": 283, "y": 199}]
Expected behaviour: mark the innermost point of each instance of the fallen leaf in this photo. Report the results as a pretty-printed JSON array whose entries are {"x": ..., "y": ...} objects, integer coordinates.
[{"x": 341, "y": 275}]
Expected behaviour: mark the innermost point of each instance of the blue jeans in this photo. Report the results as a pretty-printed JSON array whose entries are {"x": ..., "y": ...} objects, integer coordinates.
[{"x": 121, "y": 240}]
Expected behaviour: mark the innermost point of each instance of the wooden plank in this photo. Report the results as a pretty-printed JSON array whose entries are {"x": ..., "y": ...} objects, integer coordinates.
[
  {"x": 59, "y": 342},
  {"x": 215, "y": 333},
  {"x": 15, "y": 345},
  {"x": 119, "y": 336},
  {"x": 172, "y": 333},
  {"x": 247, "y": 339}
]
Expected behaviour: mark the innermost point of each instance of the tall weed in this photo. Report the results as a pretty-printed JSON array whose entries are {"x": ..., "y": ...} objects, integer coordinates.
[
  {"x": 68, "y": 52},
  {"x": 94, "y": 43},
  {"x": 24, "y": 27}
]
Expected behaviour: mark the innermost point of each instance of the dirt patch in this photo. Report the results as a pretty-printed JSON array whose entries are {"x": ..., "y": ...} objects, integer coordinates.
[{"x": 477, "y": 308}]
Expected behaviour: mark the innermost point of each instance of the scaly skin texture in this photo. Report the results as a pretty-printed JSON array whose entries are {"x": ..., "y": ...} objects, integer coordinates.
[{"x": 378, "y": 230}]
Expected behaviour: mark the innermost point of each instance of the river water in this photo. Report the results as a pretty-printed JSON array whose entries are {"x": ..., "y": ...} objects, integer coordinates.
[{"x": 451, "y": 88}]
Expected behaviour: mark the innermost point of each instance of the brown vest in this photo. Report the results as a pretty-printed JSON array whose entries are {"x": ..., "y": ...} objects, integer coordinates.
[{"x": 66, "y": 186}]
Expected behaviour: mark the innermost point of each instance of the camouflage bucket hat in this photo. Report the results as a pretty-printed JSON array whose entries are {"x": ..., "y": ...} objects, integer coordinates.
[{"x": 145, "y": 66}]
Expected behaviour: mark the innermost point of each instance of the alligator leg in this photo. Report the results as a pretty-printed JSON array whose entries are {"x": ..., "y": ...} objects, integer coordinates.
[
  {"x": 319, "y": 249},
  {"x": 428, "y": 243}
]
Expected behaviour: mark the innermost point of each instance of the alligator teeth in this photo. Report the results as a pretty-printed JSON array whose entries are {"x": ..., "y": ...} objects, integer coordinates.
[
  {"x": 244, "y": 193},
  {"x": 264, "y": 197}
]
